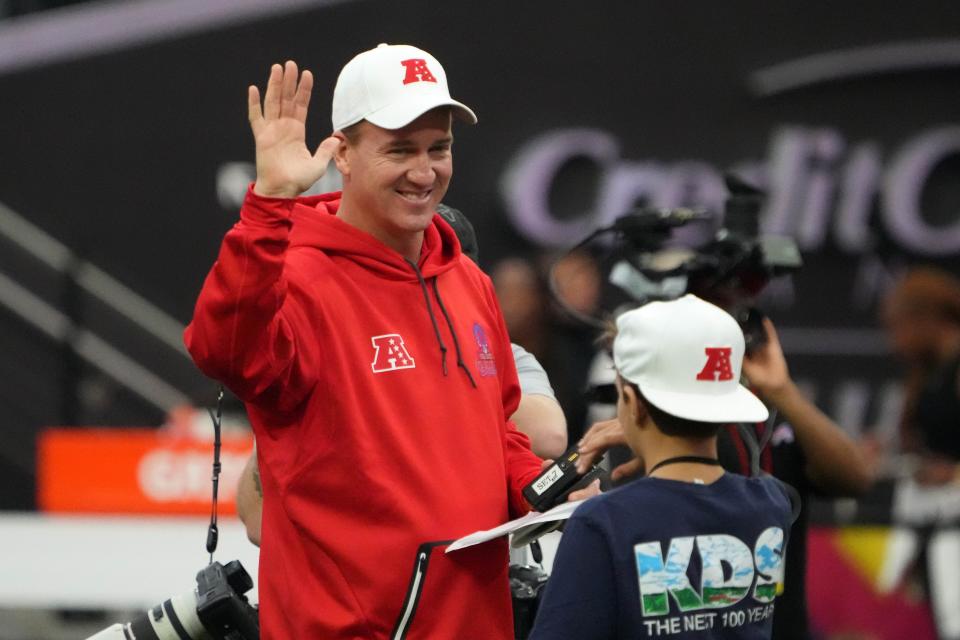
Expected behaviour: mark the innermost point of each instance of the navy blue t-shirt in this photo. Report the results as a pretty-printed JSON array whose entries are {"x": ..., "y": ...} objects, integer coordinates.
[{"x": 667, "y": 559}]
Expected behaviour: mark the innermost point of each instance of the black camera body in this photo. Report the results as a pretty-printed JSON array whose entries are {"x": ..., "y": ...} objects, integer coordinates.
[
  {"x": 221, "y": 604},
  {"x": 216, "y": 609},
  {"x": 730, "y": 270}
]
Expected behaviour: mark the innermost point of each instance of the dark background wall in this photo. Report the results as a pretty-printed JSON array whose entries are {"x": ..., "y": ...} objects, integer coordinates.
[{"x": 118, "y": 155}]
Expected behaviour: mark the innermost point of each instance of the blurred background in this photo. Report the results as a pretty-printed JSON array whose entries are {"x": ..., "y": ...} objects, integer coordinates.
[{"x": 125, "y": 154}]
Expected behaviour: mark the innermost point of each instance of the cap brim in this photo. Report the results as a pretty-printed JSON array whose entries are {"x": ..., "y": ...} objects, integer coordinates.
[
  {"x": 739, "y": 406},
  {"x": 399, "y": 115}
]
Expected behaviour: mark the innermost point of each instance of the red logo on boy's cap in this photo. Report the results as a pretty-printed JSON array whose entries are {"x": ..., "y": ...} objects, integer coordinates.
[
  {"x": 718, "y": 365},
  {"x": 417, "y": 71}
]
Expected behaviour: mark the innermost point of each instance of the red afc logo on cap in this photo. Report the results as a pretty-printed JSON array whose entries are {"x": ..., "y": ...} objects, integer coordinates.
[
  {"x": 417, "y": 71},
  {"x": 718, "y": 365}
]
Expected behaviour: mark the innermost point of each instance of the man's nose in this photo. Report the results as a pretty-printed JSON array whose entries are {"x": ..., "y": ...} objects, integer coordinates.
[{"x": 422, "y": 172}]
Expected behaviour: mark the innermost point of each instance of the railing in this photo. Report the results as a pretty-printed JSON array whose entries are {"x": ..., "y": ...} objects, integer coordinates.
[{"x": 89, "y": 346}]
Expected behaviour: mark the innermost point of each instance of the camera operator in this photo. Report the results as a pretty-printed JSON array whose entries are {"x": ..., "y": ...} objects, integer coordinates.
[
  {"x": 807, "y": 451},
  {"x": 922, "y": 318},
  {"x": 626, "y": 566}
]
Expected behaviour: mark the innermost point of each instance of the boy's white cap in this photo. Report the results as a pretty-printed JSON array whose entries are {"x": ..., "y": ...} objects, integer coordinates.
[
  {"x": 391, "y": 86},
  {"x": 685, "y": 356}
]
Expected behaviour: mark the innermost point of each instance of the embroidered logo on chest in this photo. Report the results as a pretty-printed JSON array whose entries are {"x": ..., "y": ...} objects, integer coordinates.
[
  {"x": 486, "y": 364},
  {"x": 390, "y": 354}
]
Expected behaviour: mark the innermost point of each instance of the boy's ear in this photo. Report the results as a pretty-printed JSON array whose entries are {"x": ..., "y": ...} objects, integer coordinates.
[
  {"x": 340, "y": 157},
  {"x": 635, "y": 408}
]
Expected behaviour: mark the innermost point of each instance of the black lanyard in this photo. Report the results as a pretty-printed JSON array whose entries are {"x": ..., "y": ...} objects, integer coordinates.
[{"x": 677, "y": 460}]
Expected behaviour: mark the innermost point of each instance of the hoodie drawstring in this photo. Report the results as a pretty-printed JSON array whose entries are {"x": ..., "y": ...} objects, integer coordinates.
[
  {"x": 456, "y": 343},
  {"x": 436, "y": 329},
  {"x": 433, "y": 319}
]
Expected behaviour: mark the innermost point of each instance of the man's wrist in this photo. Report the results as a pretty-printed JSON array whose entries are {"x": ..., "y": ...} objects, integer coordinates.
[
  {"x": 779, "y": 394},
  {"x": 268, "y": 191}
]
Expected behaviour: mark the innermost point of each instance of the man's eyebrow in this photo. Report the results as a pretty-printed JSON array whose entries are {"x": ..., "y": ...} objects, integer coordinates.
[
  {"x": 392, "y": 144},
  {"x": 405, "y": 143}
]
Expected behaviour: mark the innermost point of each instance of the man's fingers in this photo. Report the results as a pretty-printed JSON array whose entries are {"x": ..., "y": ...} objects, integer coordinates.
[
  {"x": 326, "y": 150},
  {"x": 290, "y": 73},
  {"x": 271, "y": 101},
  {"x": 627, "y": 469},
  {"x": 254, "y": 112},
  {"x": 601, "y": 440},
  {"x": 771, "y": 331},
  {"x": 600, "y": 437},
  {"x": 592, "y": 489},
  {"x": 545, "y": 464},
  {"x": 598, "y": 428},
  {"x": 585, "y": 460},
  {"x": 301, "y": 100},
  {"x": 768, "y": 325}
]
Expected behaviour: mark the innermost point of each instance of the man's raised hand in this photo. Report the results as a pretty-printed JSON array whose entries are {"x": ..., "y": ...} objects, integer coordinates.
[
  {"x": 766, "y": 368},
  {"x": 285, "y": 166}
]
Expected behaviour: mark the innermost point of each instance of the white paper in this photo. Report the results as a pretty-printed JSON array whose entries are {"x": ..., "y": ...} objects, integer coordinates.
[{"x": 559, "y": 512}]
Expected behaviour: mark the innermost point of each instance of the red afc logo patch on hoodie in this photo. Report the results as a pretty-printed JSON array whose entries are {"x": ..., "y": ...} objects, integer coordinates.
[
  {"x": 718, "y": 365},
  {"x": 390, "y": 354},
  {"x": 417, "y": 71}
]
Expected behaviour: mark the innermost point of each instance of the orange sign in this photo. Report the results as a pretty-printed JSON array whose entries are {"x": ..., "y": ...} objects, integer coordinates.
[{"x": 135, "y": 471}]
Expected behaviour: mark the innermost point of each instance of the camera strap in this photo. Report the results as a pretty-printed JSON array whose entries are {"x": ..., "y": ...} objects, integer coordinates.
[
  {"x": 755, "y": 447},
  {"x": 213, "y": 533}
]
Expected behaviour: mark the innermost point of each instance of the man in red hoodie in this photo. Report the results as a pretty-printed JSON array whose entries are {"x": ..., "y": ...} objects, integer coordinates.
[{"x": 374, "y": 363}]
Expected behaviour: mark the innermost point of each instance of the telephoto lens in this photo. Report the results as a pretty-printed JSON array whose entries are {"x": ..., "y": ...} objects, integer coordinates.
[
  {"x": 215, "y": 610},
  {"x": 174, "y": 619}
]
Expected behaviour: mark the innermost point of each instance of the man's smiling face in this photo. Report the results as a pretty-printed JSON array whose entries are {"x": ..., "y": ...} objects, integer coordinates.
[{"x": 394, "y": 179}]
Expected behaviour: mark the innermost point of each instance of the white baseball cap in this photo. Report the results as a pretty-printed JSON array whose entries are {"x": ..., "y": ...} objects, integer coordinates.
[
  {"x": 391, "y": 86},
  {"x": 685, "y": 356}
]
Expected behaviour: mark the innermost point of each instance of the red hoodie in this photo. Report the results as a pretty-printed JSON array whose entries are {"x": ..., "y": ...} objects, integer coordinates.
[{"x": 375, "y": 446}]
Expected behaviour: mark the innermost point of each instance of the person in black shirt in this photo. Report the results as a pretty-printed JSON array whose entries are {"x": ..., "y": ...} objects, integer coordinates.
[
  {"x": 922, "y": 316},
  {"x": 807, "y": 450}
]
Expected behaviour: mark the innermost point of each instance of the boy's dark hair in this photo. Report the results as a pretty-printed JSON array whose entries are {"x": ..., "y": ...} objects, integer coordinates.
[{"x": 672, "y": 425}]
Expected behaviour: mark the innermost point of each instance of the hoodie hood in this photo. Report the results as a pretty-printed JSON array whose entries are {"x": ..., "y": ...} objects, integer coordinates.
[{"x": 315, "y": 224}]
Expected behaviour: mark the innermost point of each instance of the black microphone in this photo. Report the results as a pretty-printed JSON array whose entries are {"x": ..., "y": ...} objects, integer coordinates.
[{"x": 645, "y": 219}]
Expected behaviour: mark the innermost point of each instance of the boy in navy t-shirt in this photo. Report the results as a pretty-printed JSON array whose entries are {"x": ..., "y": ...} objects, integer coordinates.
[{"x": 687, "y": 552}]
